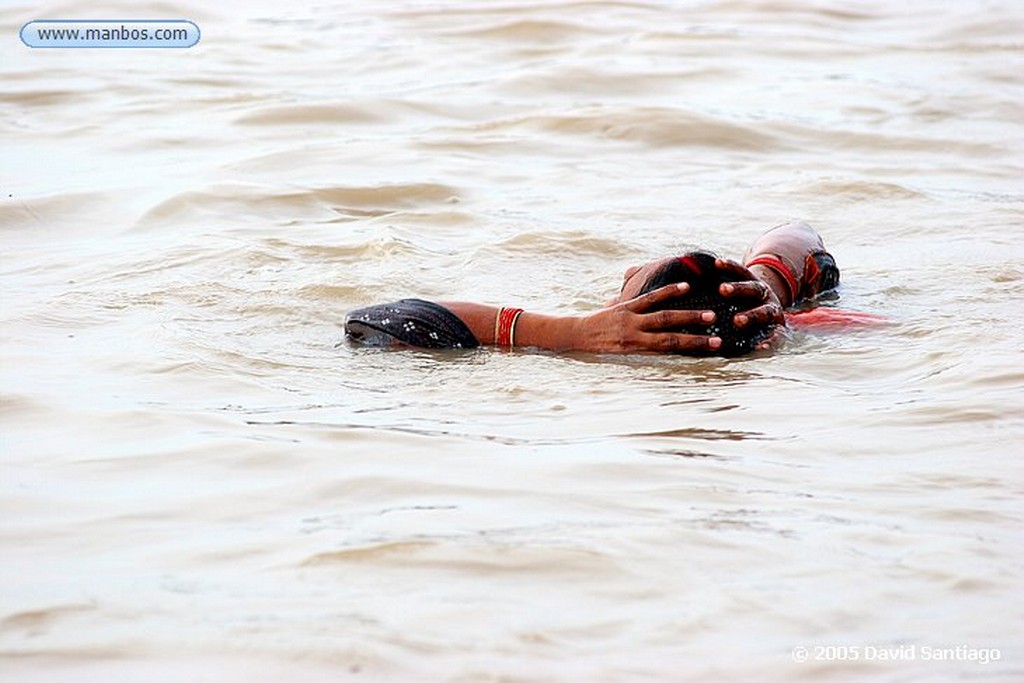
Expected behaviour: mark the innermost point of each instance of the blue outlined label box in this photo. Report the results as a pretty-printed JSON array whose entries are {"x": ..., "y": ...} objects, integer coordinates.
[{"x": 110, "y": 33}]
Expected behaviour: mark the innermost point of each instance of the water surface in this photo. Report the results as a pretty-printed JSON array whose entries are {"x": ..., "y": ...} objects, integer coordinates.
[{"x": 201, "y": 483}]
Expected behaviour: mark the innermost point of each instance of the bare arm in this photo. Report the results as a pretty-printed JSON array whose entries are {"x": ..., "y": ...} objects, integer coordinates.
[
  {"x": 622, "y": 328},
  {"x": 791, "y": 259},
  {"x": 629, "y": 326},
  {"x": 644, "y": 323}
]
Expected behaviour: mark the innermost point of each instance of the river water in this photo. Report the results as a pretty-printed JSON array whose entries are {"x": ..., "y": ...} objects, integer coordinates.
[{"x": 202, "y": 482}]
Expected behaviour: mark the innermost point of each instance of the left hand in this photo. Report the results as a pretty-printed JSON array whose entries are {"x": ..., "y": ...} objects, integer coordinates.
[{"x": 759, "y": 307}]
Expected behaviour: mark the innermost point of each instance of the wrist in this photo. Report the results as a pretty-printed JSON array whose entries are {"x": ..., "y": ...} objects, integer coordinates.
[
  {"x": 552, "y": 333},
  {"x": 575, "y": 333},
  {"x": 775, "y": 283}
]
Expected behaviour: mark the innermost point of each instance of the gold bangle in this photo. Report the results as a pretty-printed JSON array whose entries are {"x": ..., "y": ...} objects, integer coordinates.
[{"x": 497, "y": 323}]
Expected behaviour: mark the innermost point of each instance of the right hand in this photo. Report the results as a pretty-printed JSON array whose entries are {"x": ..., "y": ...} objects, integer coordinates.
[{"x": 631, "y": 327}]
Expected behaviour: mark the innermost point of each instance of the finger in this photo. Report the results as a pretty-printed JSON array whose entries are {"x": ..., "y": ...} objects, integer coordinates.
[
  {"x": 649, "y": 300},
  {"x": 775, "y": 340},
  {"x": 734, "y": 269},
  {"x": 751, "y": 290},
  {"x": 762, "y": 316},
  {"x": 693, "y": 344},
  {"x": 669, "y": 319}
]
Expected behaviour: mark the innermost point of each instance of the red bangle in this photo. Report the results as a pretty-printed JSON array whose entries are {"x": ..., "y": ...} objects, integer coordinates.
[
  {"x": 505, "y": 325},
  {"x": 780, "y": 267}
]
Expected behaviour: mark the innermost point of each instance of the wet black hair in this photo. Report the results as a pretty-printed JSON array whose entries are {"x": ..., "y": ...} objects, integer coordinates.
[
  {"x": 698, "y": 269},
  {"x": 821, "y": 275}
]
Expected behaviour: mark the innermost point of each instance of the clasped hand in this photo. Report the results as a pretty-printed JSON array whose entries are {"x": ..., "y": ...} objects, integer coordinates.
[{"x": 634, "y": 326}]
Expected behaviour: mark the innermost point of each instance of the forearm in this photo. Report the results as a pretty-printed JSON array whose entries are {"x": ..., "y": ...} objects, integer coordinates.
[
  {"x": 553, "y": 333},
  {"x": 627, "y": 327}
]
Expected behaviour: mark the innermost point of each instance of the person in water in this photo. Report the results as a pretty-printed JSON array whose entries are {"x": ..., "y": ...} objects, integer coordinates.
[{"x": 693, "y": 304}]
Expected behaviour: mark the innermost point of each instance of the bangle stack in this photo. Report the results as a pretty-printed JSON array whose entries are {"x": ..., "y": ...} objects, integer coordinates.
[{"x": 505, "y": 327}]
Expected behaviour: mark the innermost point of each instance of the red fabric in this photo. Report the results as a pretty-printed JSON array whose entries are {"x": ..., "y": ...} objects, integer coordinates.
[{"x": 833, "y": 318}]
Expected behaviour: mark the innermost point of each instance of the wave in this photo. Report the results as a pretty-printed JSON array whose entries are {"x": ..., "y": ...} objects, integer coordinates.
[
  {"x": 312, "y": 114},
  {"x": 652, "y": 126},
  {"x": 266, "y": 203}
]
